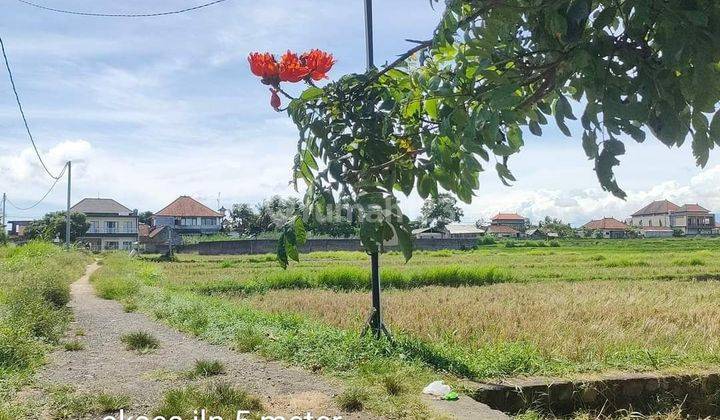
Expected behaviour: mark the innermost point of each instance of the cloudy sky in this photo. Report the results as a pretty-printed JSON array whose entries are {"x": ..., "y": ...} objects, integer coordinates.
[{"x": 149, "y": 109}]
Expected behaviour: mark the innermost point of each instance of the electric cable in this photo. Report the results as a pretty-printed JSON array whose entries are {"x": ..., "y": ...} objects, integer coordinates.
[{"x": 125, "y": 15}]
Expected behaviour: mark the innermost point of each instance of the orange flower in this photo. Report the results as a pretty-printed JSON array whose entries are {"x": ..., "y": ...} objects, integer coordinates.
[
  {"x": 291, "y": 68},
  {"x": 264, "y": 65},
  {"x": 274, "y": 99},
  {"x": 318, "y": 63}
]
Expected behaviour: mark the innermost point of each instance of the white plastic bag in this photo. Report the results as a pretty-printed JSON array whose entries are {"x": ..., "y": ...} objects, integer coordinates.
[{"x": 437, "y": 388}]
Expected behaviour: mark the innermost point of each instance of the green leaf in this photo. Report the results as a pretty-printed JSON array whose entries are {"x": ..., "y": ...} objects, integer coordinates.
[
  {"x": 715, "y": 128},
  {"x": 589, "y": 143},
  {"x": 282, "y": 257},
  {"x": 431, "y": 107},
  {"x": 404, "y": 240},
  {"x": 311, "y": 93},
  {"x": 300, "y": 232},
  {"x": 535, "y": 128},
  {"x": 309, "y": 160}
]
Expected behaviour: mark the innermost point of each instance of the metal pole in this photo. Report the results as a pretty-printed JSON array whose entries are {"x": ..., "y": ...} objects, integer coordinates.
[
  {"x": 67, "y": 214},
  {"x": 4, "y": 222},
  {"x": 376, "y": 322},
  {"x": 369, "y": 34}
]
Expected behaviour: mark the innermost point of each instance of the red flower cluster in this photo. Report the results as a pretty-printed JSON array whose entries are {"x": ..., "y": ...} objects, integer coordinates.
[{"x": 312, "y": 65}]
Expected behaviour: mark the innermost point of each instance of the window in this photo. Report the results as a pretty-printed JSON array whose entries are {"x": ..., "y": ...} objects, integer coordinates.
[
  {"x": 111, "y": 245},
  {"x": 111, "y": 227},
  {"x": 650, "y": 222},
  {"x": 129, "y": 227},
  {"x": 209, "y": 221},
  {"x": 189, "y": 221}
]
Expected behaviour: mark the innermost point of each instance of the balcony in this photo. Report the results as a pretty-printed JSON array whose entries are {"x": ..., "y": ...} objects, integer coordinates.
[{"x": 112, "y": 231}]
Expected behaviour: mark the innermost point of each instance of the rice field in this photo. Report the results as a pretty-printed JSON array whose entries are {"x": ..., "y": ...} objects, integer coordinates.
[{"x": 507, "y": 309}]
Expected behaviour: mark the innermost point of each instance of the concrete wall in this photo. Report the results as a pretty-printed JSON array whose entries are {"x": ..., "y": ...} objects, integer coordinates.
[{"x": 269, "y": 246}]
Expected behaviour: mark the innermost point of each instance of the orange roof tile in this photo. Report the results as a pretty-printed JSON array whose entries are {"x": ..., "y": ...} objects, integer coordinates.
[{"x": 185, "y": 206}]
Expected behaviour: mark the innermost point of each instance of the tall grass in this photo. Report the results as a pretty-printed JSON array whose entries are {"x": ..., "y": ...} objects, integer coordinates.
[
  {"x": 34, "y": 291},
  {"x": 352, "y": 278}
]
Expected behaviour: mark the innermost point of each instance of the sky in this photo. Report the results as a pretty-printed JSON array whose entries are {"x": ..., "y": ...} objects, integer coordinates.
[{"x": 153, "y": 108}]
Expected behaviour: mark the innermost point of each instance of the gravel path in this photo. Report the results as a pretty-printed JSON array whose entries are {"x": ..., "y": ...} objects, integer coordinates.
[{"x": 105, "y": 365}]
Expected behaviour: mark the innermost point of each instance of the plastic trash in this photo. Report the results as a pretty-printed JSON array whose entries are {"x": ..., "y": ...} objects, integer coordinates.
[
  {"x": 451, "y": 396},
  {"x": 437, "y": 388}
]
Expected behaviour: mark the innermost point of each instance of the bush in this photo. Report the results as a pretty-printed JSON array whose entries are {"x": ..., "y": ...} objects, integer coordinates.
[
  {"x": 486, "y": 240},
  {"x": 17, "y": 350}
]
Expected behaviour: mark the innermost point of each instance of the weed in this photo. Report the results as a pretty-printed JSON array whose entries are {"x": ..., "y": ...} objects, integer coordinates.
[
  {"x": 74, "y": 345},
  {"x": 130, "y": 306},
  {"x": 393, "y": 385},
  {"x": 205, "y": 368},
  {"x": 352, "y": 399},
  {"x": 220, "y": 399},
  {"x": 140, "y": 341}
]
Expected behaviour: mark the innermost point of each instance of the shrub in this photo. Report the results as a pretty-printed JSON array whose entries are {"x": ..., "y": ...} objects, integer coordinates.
[
  {"x": 140, "y": 341},
  {"x": 485, "y": 240}
]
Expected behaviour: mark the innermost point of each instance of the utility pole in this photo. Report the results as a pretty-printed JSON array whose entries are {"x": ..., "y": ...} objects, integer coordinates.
[
  {"x": 67, "y": 214},
  {"x": 375, "y": 322},
  {"x": 4, "y": 222}
]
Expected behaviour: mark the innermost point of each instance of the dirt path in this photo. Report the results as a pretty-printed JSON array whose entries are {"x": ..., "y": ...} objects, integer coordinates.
[{"x": 105, "y": 365}]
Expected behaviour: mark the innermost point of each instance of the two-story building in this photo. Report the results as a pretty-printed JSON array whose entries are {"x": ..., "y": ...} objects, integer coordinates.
[
  {"x": 511, "y": 220},
  {"x": 186, "y": 215},
  {"x": 112, "y": 225},
  {"x": 693, "y": 219},
  {"x": 655, "y": 214},
  {"x": 661, "y": 218}
]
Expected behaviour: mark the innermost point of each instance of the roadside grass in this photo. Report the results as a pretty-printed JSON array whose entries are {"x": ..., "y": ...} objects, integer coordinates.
[
  {"x": 74, "y": 345},
  {"x": 352, "y": 399},
  {"x": 217, "y": 399},
  {"x": 140, "y": 341},
  {"x": 67, "y": 403},
  {"x": 207, "y": 368},
  {"x": 34, "y": 291}
]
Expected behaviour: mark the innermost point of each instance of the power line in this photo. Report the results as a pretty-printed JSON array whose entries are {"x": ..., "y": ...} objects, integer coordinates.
[
  {"x": 22, "y": 112},
  {"x": 43, "y": 197},
  {"x": 125, "y": 15}
]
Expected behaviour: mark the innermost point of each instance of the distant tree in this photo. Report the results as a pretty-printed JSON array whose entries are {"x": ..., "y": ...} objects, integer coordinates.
[
  {"x": 440, "y": 211},
  {"x": 244, "y": 220},
  {"x": 145, "y": 217},
  {"x": 549, "y": 224},
  {"x": 4, "y": 239},
  {"x": 52, "y": 226}
]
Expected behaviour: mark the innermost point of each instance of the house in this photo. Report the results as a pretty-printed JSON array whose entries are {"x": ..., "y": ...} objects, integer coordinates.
[
  {"x": 538, "y": 233},
  {"x": 186, "y": 215},
  {"x": 511, "y": 220},
  {"x": 503, "y": 231},
  {"x": 655, "y": 214},
  {"x": 112, "y": 225},
  {"x": 429, "y": 233},
  {"x": 608, "y": 227},
  {"x": 693, "y": 219},
  {"x": 457, "y": 230},
  {"x": 17, "y": 228}
]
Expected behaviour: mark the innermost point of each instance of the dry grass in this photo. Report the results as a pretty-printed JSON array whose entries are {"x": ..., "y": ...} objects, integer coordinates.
[{"x": 583, "y": 323}]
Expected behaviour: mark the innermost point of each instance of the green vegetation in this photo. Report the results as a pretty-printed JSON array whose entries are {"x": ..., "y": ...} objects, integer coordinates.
[
  {"x": 74, "y": 345},
  {"x": 218, "y": 399},
  {"x": 69, "y": 404},
  {"x": 563, "y": 312},
  {"x": 140, "y": 341},
  {"x": 352, "y": 399},
  {"x": 205, "y": 368},
  {"x": 34, "y": 289}
]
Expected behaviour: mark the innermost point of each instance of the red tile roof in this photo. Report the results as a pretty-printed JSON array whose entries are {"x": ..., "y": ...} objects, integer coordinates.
[
  {"x": 156, "y": 231},
  {"x": 607, "y": 223},
  {"x": 508, "y": 216},
  {"x": 657, "y": 207},
  {"x": 143, "y": 230},
  {"x": 185, "y": 206},
  {"x": 501, "y": 229},
  {"x": 693, "y": 208}
]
